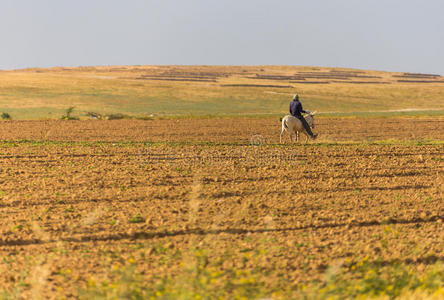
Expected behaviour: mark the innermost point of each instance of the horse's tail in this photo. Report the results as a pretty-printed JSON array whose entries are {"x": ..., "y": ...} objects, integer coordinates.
[{"x": 285, "y": 124}]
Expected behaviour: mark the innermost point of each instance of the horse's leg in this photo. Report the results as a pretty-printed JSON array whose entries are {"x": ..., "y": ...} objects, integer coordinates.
[
  {"x": 297, "y": 136},
  {"x": 282, "y": 134}
]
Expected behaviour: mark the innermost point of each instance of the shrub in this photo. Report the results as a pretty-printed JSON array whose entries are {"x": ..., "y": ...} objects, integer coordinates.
[
  {"x": 67, "y": 115},
  {"x": 117, "y": 116},
  {"x": 94, "y": 115},
  {"x": 6, "y": 116}
]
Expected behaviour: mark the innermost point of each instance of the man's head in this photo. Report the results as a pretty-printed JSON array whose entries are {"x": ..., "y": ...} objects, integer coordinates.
[{"x": 295, "y": 97}]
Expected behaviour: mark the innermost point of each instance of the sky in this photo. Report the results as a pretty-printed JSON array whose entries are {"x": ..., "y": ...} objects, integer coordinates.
[{"x": 388, "y": 35}]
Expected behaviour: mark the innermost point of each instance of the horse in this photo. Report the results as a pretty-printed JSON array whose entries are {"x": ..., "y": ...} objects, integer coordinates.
[{"x": 293, "y": 124}]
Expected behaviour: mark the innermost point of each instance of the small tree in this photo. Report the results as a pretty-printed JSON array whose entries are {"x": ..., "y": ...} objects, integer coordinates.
[{"x": 6, "y": 116}]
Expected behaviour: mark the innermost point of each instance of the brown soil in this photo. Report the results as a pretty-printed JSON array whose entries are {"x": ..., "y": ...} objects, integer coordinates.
[
  {"x": 363, "y": 82},
  {"x": 71, "y": 212},
  {"x": 230, "y": 130},
  {"x": 420, "y": 81},
  {"x": 257, "y": 85},
  {"x": 276, "y": 77},
  {"x": 417, "y": 75},
  {"x": 176, "y": 79},
  {"x": 311, "y": 82}
]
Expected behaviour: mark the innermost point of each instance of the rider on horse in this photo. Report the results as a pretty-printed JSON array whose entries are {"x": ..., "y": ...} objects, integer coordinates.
[{"x": 296, "y": 110}]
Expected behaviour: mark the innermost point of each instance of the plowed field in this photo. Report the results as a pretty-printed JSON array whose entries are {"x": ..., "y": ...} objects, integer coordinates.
[
  {"x": 229, "y": 130},
  {"x": 92, "y": 208}
]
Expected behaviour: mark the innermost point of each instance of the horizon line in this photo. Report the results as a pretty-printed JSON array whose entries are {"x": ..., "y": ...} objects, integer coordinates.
[{"x": 208, "y": 65}]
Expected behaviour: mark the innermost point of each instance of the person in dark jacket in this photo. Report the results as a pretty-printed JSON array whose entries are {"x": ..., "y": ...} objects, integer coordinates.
[{"x": 296, "y": 111}]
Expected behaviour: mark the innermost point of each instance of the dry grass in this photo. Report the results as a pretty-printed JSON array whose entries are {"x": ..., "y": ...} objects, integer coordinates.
[{"x": 215, "y": 90}]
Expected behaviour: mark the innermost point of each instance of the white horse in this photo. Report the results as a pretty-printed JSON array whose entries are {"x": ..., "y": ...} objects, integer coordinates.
[{"x": 293, "y": 124}]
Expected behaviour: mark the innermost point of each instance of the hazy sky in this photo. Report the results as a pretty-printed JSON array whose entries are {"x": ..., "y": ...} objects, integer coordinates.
[{"x": 392, "y": 35}]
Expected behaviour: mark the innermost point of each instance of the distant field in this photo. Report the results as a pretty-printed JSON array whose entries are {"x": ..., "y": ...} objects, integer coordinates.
[{"x": 171, "y": 91}]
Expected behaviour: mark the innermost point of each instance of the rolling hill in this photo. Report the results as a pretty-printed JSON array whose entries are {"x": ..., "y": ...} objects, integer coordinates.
[{"x": 171, "y": 91}]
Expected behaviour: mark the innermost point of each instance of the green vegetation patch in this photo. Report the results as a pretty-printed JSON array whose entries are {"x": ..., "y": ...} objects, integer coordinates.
[{"x": 200, "y": 277}]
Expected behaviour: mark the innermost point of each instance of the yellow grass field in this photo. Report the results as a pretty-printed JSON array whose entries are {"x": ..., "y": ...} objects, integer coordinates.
[{"x": 166, "y": 91}]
